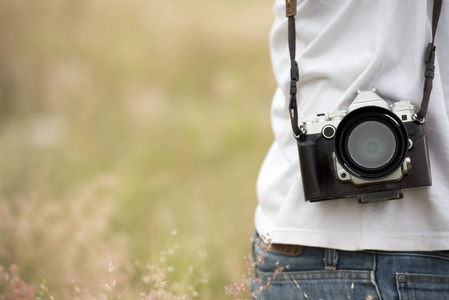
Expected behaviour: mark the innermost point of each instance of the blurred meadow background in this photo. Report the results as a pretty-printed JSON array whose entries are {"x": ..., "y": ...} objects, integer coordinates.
[{"x": 131, "y": 136}]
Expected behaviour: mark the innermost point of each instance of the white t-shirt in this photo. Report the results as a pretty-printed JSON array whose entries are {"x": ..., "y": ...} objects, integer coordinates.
[{"x": 344, "y": 46}]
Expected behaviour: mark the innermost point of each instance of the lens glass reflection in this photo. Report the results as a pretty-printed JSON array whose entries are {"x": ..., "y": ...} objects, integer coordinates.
[{"x": 371, "y": 144}]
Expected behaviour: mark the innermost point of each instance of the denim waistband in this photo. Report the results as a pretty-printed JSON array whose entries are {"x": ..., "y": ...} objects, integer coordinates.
[
  {"x": 363, "y": 259},
  {"x": 441, "y": 254}
]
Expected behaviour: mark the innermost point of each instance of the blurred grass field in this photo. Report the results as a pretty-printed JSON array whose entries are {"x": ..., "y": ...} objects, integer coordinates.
[{"x": 131, "y": 133}]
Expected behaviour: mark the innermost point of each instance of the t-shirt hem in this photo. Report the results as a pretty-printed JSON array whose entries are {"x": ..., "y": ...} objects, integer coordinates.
[
  {"x": 351, "y": 241},
  {"x": 355, "y": 241}
]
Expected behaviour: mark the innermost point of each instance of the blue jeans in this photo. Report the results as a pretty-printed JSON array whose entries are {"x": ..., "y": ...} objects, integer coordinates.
[{"x": 328, "y": 274}]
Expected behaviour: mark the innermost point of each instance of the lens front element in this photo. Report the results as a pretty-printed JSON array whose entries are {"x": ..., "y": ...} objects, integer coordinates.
[{"x": 371, "y": 144}]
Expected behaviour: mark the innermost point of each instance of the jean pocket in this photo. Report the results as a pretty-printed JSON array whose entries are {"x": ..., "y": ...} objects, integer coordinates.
[
  {"x": 335, "y": 285},
  {"x": 422, "y": 286}
]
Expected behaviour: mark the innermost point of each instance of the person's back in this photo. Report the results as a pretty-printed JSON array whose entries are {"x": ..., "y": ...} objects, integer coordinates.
[{"x": 342, "y": 47}]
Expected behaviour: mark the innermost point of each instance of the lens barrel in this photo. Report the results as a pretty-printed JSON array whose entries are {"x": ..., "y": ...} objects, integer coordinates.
[{"x": 371, "y": 142}]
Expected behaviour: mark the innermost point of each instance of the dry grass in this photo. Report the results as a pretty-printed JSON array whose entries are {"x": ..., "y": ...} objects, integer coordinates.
[{"x": 121, "y": 121}]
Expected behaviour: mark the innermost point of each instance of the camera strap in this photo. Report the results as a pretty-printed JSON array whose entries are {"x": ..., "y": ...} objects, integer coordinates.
[
  {"x": 294, "y": 71},
  {"x": 430, "y": 64}
]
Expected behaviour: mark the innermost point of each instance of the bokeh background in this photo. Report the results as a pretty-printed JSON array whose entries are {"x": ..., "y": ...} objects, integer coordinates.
[{"x": 131, "y": 136}]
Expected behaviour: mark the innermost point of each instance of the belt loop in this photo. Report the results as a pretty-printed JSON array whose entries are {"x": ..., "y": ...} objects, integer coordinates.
[{"x": 330, "y": 259}]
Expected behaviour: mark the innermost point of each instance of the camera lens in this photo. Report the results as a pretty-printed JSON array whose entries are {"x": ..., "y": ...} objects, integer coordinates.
[{"x": 371, "y": 142}]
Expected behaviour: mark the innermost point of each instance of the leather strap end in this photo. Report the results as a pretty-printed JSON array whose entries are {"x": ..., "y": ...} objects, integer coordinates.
[
  {"x": 286, "y": 249},
  {"x": 291, "y": 8}
]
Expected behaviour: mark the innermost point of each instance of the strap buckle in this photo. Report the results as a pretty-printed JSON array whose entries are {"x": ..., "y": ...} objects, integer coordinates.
[
  {"x": 430, "y": 51},
  {"x": 429, "y": 60},
  {"x": 294, "y": 75}
]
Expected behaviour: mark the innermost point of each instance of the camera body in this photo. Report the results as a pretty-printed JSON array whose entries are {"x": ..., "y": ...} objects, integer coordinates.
[{"x": 371, "y": 151}]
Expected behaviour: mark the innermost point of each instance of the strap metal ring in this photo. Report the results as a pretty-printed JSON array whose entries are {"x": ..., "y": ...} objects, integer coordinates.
[{"x": 418, "y": 119}]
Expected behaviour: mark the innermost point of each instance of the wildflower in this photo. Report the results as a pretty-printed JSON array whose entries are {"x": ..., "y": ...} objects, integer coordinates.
[
  {"x": 111, "y": 267},
  {"x": 232, "y": 289},
  {"x": 16, "y": 288}
]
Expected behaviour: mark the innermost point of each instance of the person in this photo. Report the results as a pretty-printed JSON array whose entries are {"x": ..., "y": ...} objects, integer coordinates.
[{"x": 340, "y": 249}]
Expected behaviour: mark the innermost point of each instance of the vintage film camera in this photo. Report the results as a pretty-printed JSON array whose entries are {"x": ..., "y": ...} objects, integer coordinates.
[{"x": 371, "y": 151}]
